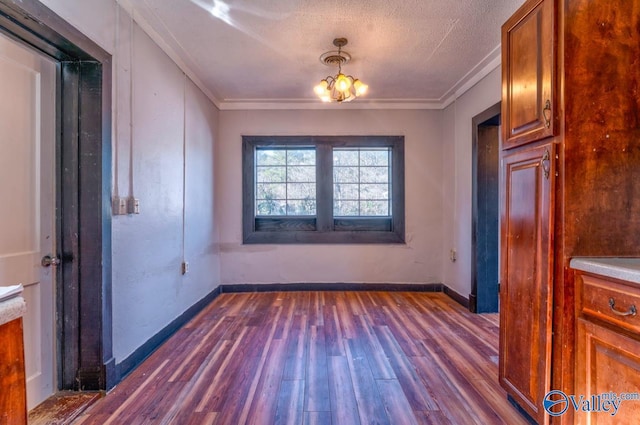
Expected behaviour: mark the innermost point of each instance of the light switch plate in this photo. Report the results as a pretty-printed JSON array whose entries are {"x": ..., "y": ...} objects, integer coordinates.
[
  {"x": 133, "y": 205},
  {"x": 119, "y": 205}
]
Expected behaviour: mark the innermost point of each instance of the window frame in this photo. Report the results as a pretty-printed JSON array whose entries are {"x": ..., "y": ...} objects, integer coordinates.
[{"x": 323, "y": 227}]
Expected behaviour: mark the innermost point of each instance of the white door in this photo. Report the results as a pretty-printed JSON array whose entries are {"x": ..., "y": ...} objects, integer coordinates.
[{"x": 27, "y": 203}]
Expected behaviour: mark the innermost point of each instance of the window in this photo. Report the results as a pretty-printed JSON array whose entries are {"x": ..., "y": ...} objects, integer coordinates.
[
  {"x": 338, "y": 189},
  {"x": 285, "y": 182}
]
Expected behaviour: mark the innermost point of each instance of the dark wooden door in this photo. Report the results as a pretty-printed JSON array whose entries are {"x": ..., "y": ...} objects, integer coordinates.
[
  {"x": 486, "y": 230},
  {"x": 526, "y": 275},
  {"x": 528, "y": 58}
]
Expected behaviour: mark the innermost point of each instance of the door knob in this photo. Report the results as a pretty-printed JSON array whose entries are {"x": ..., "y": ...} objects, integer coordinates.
[{"x": 48, "y": 261}]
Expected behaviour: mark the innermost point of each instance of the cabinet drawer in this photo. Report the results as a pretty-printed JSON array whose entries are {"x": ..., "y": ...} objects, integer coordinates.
[{"x": 597, "y": 295}]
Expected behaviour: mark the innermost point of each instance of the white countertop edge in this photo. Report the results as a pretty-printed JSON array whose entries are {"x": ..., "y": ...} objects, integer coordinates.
[
  {"x": 12, "y": 309},
  {"x": 627, "y": 269}
]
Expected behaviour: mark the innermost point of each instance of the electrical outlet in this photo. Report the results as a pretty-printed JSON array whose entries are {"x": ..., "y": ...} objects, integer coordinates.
[
  {"x": 122, "y": 206},
  {"x": 453, "y": 255},
  {"x": 133, "y": 205},
  {"x": 185, "y": 267}
]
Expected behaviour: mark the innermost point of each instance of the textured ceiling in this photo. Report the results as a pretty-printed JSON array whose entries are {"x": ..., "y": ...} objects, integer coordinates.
[{"x": 267, "y": 51}]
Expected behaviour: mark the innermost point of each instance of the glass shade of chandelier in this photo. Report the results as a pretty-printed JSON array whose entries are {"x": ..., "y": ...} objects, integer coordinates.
[{"x": 339, "y": 87}]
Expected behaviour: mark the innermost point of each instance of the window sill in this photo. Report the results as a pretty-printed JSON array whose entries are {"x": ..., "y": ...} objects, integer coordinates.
[{"x": 314, "y": 237}]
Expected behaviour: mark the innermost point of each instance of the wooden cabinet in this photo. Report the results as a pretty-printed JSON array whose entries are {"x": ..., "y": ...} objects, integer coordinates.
[
  {"x": 576, "y": 54},
  {"x": 528, "y": 88},
  {"x": 607, "y": 347},
  {"x": 13, "y": 396},
  {"x": 526, "y": 275},
  {"x": 528, "y": 164}
]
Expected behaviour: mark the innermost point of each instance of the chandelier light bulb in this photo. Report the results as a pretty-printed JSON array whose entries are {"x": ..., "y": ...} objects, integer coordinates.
[
  {"x": 361, "y": 89},
  {"x": 321, "y": 89},
  {"x": 343, "y": 83}
]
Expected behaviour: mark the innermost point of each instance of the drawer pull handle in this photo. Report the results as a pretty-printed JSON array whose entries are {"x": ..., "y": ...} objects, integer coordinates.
[{"x": 631, "y": 312}]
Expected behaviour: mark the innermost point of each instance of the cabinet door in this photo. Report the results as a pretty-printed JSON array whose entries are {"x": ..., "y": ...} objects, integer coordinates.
[
  {"x": 526, "y": 275},
  {"x": 607, "y": 364},
  {"x": 528, "y": 72}
]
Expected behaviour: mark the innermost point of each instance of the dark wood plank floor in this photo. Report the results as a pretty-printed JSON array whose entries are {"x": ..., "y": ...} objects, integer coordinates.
[{"x": 319, "y": 358}]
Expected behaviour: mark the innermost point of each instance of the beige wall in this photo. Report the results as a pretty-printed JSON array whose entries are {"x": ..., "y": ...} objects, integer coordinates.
[
  {"x": 419, "y": 261},
  {"x": 163, "y": 148},
  {"x": 457, "y": 178}
]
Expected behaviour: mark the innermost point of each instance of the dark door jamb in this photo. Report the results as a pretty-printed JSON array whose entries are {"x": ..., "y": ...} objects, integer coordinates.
[{"x": 485, "y": 240}]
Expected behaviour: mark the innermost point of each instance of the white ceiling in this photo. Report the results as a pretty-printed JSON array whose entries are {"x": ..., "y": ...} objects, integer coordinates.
[{"x": 265, "y": 53}]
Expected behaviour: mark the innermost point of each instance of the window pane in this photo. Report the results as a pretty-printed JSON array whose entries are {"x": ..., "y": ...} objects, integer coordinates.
[
  {"x": 374, "y": 208},
  {"x": 366, "y": 179},
  {"x": 345, "y": 157},
  {"x": 271, "y": 157},
  {"x": 374, "y": 157},
  {"x": 305, "y": 207},
  {"x": 301, "y": 157},
  {"x": 345, "y": 174},
  {"x": 345, "y": 208},
  {"x": 271, "y": 174},
  {"x": 378, "y": 192},
  {"x": 346, "y": 191},
  {"x": 305, "y": 191},
  {"x": 271, "y": 207},
  {"x": 301, "y": 173},
  {"x": 283, "y": 176},
  {"x": 374, "y": 175},
  {"x": 271, "y": 191}
]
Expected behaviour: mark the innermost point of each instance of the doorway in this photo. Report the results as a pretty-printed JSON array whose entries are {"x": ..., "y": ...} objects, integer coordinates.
[
  {"x": 486, "y": 200},
  {"x": 82, "y": 191}
]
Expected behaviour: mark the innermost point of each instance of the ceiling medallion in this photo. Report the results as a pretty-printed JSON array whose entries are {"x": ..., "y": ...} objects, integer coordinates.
[{"x": 339, "y": 87}]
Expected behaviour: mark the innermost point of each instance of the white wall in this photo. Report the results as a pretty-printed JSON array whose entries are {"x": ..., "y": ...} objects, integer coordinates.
[
  {"x": 457, "y": 178},
  {"x": 163, "y": 149},
  {"x": 419, "y": 261}
]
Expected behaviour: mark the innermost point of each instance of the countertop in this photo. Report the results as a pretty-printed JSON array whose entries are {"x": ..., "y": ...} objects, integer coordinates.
[
  {"x": 12, "y": 309},
  {"x": 619, "y": 268}
]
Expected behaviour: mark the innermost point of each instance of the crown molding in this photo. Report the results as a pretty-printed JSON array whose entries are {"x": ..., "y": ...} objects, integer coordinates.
[{"x": 314, "y": 104}]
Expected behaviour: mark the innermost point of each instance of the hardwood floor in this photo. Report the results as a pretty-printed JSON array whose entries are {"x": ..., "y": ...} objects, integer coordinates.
[
  {"x": 62, "y": 408},
  {"x": 319, "y": 358}
]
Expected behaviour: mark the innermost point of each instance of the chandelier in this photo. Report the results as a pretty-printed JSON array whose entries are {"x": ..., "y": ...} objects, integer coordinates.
[{"x": 339, "y": 87}]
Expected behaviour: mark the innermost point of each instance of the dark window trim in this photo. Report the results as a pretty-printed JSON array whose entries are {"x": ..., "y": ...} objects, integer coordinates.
[{"x": 323, "y": 228}]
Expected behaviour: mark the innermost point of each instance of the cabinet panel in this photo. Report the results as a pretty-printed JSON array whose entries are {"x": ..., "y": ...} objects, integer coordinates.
[
  {"x": 606, "y": 362},
  {"x": 13, "y": 393},
  {"x": 528, "y": 58},
  {"x": 526, "y": 276}
]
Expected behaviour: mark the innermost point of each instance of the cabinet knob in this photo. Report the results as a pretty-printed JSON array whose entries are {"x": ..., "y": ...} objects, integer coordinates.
[{"x": 631, "y": 312}]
